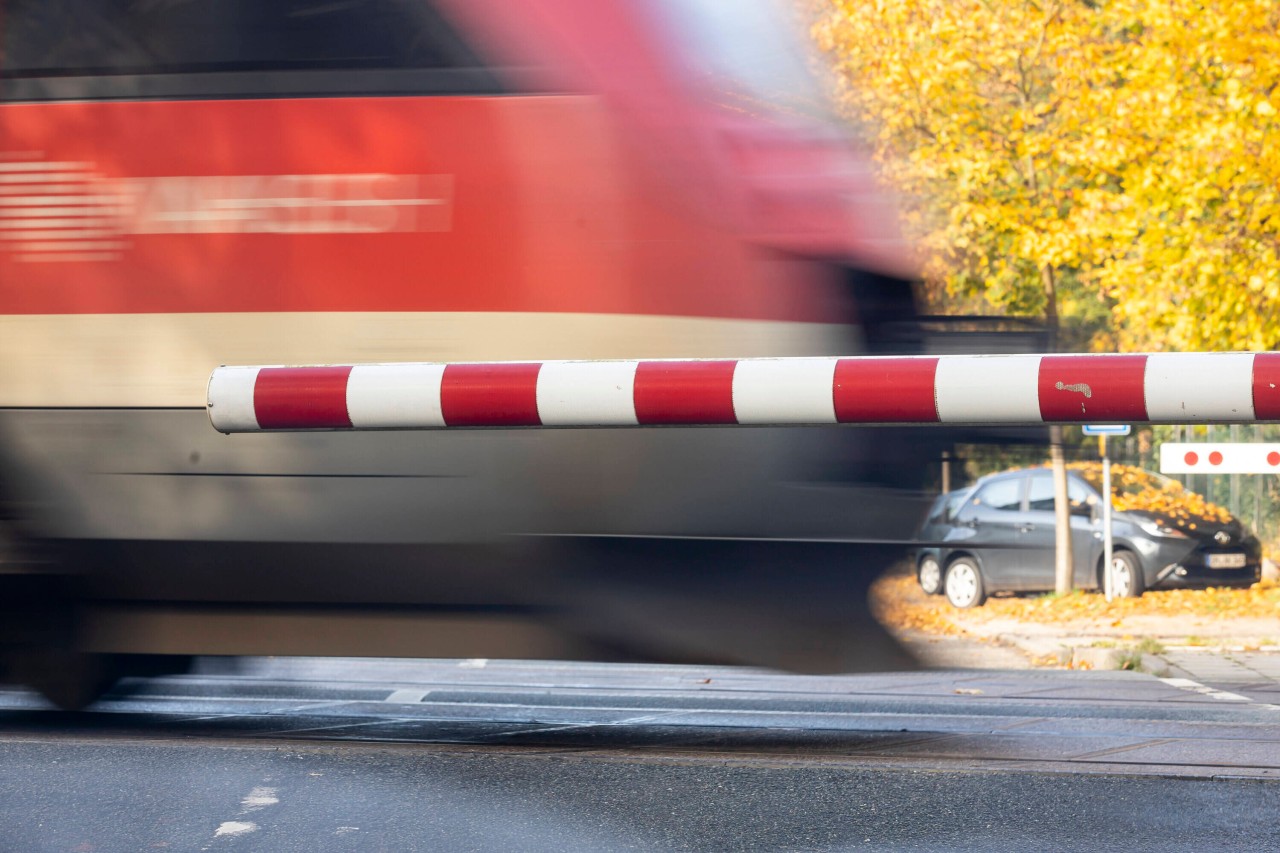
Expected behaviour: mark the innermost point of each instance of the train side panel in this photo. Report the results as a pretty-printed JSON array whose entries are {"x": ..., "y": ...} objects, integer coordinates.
[{"x": 145, "y": 240}]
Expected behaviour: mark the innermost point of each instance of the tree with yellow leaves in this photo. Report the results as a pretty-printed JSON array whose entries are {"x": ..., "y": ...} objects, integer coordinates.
[
  {"x": 1081, "y": 159},
  {"x": 1087, "y": 160}
]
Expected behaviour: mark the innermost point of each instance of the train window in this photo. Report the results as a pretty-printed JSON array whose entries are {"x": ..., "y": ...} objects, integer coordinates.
[
  {"x": 84, "y": 49},
  {"x": 746, "y": 49}
]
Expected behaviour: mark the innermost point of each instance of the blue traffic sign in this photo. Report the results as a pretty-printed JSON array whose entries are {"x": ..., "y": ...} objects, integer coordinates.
[{"x": 1106, "y": 429}]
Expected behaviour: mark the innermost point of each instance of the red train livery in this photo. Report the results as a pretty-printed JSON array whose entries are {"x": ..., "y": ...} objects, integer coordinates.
[{"x": 194, "y": 183}]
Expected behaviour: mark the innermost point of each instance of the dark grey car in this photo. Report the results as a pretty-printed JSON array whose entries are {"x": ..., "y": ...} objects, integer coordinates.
[
  {"x": 936, "y": 526},
  {"x": 1002, "y": 539}
]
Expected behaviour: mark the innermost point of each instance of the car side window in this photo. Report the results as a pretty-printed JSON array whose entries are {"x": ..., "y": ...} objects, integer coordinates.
[
  {"x": 1040, "y": 493},
  {"x": 1001, "y": 495},
  {"x": 1078, "y": 493}
]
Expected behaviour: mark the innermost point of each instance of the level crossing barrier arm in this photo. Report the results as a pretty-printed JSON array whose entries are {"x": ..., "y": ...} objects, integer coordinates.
[{"x": 997, "y": 390}]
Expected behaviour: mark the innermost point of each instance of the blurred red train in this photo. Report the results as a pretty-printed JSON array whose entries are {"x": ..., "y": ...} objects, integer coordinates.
[{"x": 192, "y": 183}]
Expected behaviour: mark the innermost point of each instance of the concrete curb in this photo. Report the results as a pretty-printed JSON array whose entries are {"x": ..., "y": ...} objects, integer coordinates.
[
  {"x": 1238, "y": 663},
  {"x": 1080, "y": 656}
]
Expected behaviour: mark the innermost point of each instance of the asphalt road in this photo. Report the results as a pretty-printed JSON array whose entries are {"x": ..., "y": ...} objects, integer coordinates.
[{"x": 284, "y": 755}]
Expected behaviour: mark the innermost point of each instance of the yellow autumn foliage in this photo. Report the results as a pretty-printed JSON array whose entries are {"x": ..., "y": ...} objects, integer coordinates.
[
  {"x": 1071, "y": 155},
  {"x": 1135, "y": 489}
]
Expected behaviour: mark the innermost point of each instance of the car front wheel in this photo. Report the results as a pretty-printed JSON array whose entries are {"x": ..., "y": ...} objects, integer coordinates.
[
  {"x": 1126, "y": 574},
  {"x": 964, "y": 585},
  {"x": 930, "y": 576}
]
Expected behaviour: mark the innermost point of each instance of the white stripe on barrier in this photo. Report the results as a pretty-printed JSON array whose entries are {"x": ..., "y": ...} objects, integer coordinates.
[
  {"x": 1189, "y": 387},
  {"x": 232, "y": 389},
  {"x": 601, "y": 392},
  {"x": 395, "y": 396},
  {"x": 782, "y": 391},
  {"x": 988, "y": 389}
]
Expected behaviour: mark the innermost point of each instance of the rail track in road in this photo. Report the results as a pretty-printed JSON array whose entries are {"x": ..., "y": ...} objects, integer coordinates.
[
  {"x": 305, "y": 754},
  {"x": 1117, "y": 722}
]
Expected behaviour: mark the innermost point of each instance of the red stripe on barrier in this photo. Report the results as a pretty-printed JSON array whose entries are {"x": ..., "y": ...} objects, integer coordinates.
[
  {"x": 1266, "y": 386},
  {"x": 1086, "y": 389},
  {"x": 490, "y": 395},
  {"x": 894, "y": 390},
  {"x": 685, "y": 392},
  {"x": 302, "y": 398}
]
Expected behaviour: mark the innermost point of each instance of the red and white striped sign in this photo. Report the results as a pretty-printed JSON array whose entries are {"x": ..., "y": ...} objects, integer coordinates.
[
  {"x": 1222, "y": 458},
  {"x": 1175, "y": 388}
]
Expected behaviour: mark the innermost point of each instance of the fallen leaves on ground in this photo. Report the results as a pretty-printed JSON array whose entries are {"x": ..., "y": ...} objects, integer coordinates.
[{"x": 898, "y": 601}]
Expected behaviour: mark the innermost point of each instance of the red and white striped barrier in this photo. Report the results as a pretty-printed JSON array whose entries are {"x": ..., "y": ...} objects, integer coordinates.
[{"x": 1172, "y": 388}]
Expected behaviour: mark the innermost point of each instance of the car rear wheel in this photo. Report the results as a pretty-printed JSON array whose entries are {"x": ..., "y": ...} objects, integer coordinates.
[
  {"x": 964, "y": 586},
  {"x": 930, "y": 575},
  {"x": 1126, "y": 575}
]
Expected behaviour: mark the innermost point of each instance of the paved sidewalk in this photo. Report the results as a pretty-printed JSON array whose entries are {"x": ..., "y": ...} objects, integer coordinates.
[
  {"x": 1224, "y": 665},
  {"x": 1221, "y": 674},
  {"x": 962, "y": 652},
  {"x": 1218, "y": 663}
]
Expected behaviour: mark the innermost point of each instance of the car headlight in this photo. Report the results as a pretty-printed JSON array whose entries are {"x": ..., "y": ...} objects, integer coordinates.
[{"x": 1154, "y": 528}]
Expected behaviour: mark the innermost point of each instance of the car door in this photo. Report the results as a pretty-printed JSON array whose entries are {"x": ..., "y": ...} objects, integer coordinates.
[
  {"x": 1037, "y": 533},
  {"x": 1086, "y": 531},
  {"x": 991, "y": 518}
]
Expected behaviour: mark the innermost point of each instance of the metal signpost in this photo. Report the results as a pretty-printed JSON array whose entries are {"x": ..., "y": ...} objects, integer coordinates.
[{"x": 1108, "y": 569}]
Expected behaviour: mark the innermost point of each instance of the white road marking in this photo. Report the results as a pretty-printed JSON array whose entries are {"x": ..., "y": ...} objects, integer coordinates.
[
  {"x": 1213, "y": 693},
  {"x": 259, "y": 798},
  {"x": 544, "y": 729},
  {"x": 474, "y": 663},
  {"x": 235, "y": 827},
  {"x": 407, "y": 696}
]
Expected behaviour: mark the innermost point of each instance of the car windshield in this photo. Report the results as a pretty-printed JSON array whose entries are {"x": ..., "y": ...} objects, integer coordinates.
[
  {"x": 945, "y": 506},
  {"x": 1137, "y": 490},
  {"x": 954, "y": 501}
]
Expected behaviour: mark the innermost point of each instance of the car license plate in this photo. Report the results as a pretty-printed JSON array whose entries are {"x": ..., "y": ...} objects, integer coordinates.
[{"x": 1226, "y": 561}]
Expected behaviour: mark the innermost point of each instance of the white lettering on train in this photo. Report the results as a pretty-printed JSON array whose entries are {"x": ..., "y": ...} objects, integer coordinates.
[
  {"x": 79, "y": 214},
  {"x": 287, "y": 204}
]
